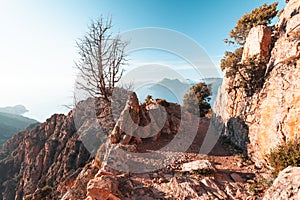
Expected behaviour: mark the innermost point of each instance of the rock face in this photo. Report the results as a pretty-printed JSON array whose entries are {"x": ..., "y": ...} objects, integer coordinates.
[
  {"x": 258, "y": 42},
  {"x": 270, "y": 116},
  {"x": 146, "y": 120},
  {"x": 45, "y": 156},
  {"x": 285, "y": 186}
]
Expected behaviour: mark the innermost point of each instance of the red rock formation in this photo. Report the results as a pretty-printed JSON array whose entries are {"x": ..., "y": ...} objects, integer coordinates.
[{"x": 45, "y": 156}]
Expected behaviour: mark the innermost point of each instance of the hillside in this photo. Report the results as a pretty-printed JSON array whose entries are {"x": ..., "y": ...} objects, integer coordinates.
[
  {"x": 173, "y": 90},
  {"x": 10, "y": 124}
]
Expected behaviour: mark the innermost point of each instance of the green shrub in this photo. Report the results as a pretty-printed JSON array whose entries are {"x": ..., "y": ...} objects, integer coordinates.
[
  {"x": 197, "y": 100},
  {"x": 259, "y": 16},
  {"x": 148, "y": 99},
  {"x": 203, "y": 172},
  {"x": 259, "y": 186},
  {"x": 285, "y": 155}
]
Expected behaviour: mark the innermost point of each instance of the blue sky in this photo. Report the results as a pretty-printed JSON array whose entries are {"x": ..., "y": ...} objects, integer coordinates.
[{"x": 38, "y": 40}]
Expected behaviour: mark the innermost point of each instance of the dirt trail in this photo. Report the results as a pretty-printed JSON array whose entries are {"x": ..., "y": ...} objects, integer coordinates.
[{"x": 232, "y": 179}]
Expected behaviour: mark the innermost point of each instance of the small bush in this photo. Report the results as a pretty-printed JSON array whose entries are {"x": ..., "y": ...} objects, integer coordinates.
[
  {"x": 197, "y": 100},
  {"x": 203, "y": 172},
  {"x": 285, "y": 155},
  {"x": 259, "y": 186}
]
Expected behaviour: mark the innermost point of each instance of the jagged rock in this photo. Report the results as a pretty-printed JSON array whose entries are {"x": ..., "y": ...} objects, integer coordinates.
[
  {"x": 102, "y": 188},
  {"x": 46, "y": 155},
  {"x": 74, "y": 187},
  {"x": 198, "y": 165},
  {"x": 285, "y": 186},
  {"x": 236, "y": 177},
  {"x": 258, "y": 42},
  {"x": 288, "y": 19},
  {"x": 145, "y": 121},
  {"x": 54, "y": 153}
]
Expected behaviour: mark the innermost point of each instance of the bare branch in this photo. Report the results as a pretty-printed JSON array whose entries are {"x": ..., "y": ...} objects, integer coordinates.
[{"x": 102, "y": 56}]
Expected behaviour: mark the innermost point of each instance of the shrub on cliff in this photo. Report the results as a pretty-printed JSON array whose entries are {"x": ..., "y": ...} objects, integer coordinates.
[
  {"x": 284, "y": 155},
  {"x": 249, "y": 74},
  {"x": 259, "y": 16},
  {"x": 197, "y": 100}
]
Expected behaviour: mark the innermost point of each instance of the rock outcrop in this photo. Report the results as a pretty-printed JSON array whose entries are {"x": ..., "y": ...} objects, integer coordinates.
[
  {"x": 286, "y": 185},
  {"x": 44, "y": 156},
  {"x": 258, "y": 42},
  {"x": 146, "y": 120},
  {"x": 271, "y": 115}
]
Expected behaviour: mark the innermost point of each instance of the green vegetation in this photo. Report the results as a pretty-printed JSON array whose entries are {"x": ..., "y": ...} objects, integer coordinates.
[
  {"x": 248, "y": 75},
  {"x": 259, "y": 16},
  {"x": 259, "y": 186},
  {"x": 148, "y": 99},
  {"x": 10, "y": 124},
  {"x": 162, "y": 102},
  {"x": 284, "y": 155},
  {"x": 197, "y": 100},
  {"x": 203, "y": 172}
]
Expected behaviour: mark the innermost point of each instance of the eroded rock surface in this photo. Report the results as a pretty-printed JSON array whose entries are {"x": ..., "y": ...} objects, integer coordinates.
[
  {"x": 45, "y": 156},
  {"x": 258, "y": 42},
  {"x": 271, "y": 115},
  {"x": 146, "y": 120},
  {"x": 285, "y": 186}
]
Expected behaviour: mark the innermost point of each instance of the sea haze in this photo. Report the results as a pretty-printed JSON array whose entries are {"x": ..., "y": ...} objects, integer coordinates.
[{"x": 173, "y": 90}]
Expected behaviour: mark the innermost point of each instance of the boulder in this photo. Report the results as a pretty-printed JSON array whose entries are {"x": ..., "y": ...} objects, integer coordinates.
[
  {"x": 285, "y": 186},
  {"x": 198, "y": 165},
  {"x": 149, "y": 120},
  {"x": 258, "y": 42},
  {"x": 102, "y": 188}
]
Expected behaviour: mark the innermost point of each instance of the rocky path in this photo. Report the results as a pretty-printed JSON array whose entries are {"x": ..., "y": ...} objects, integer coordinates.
[{"x": 222, "y": 174}]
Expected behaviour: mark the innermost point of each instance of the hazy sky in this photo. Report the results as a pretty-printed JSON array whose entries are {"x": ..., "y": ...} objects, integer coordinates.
[{"x": 37, "y": 40}]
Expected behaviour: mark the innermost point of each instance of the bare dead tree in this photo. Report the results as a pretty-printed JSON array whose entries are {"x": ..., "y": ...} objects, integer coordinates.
[{"x": 102, "y": 56}]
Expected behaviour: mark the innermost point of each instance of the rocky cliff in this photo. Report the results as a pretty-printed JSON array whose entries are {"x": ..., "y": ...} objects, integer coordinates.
[
  {"x": 144, "y": 159},
  {"x": 270, "y": 116},
  {"x": 45, "y": 156}
]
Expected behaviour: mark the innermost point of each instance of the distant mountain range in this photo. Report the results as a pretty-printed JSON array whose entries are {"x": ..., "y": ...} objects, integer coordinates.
[
  {"x": 173, "y": 90},
  {"x": 11, "y": 122}
]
